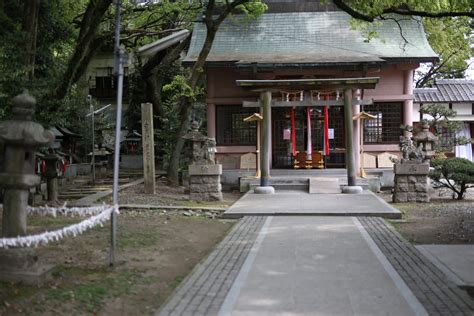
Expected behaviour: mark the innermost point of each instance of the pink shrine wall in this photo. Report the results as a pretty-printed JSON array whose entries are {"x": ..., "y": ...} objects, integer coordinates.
[{"x": 395, "y": 85}]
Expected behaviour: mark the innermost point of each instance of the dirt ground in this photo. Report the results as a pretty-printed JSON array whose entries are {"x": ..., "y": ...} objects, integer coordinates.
[
  {"x": 156, "y": 249},
  {"x": 442, "y": 221}
]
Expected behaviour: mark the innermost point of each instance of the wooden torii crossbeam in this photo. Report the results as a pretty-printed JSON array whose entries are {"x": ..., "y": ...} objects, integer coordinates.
[{"x": 305, "y": 103}]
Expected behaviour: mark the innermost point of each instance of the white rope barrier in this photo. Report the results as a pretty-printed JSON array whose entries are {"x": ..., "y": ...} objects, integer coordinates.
[{"x": 100, "y": 215}]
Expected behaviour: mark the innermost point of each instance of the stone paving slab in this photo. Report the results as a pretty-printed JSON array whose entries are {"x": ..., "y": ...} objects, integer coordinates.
[
  {"x": 318, "y": 266},
  {"x": 307, "y": 265},
  {"x": 287, "y": 202},
  {"x": 438, "y": 294},
  {"x": 456, "y": 261}
]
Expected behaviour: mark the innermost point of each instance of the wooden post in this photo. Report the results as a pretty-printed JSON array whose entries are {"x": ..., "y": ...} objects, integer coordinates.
[
  {"x": 266, "y": 98},
  {"x": 148, "y": 148},
  {"x": 350, "y": 163},
  {"x": 362, "y": 171},
  {"x": 259, "y": 149}
]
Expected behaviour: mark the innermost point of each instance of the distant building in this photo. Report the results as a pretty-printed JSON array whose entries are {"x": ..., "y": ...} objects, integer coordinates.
[{"x": 456, "y": 94}]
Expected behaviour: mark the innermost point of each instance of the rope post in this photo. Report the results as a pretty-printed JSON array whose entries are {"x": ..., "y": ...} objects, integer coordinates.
[{"x": 118, "y": 125}]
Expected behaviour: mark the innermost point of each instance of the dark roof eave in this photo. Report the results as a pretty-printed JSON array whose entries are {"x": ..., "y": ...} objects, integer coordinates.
[
  {"x": 351, "y": 65},
  {"x": 238, "y": 64},
  {"x": 412, "y": 60}
]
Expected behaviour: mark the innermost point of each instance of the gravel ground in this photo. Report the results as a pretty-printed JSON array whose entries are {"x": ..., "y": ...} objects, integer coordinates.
[
  {"x": 442, "y": 221},
  {"x": 171, "y": 196}
]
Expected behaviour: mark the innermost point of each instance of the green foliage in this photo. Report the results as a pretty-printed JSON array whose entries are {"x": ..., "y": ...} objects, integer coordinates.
[
  {"x": 252, "y": 9},
  {"x": 456, "y": 174},
  {"x": 179, "y": 87},
  {"x": 451, "y": 38},
  {"x": 55, "y": 38}
]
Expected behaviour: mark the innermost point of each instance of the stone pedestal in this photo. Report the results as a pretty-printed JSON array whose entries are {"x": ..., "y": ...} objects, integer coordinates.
[
  {"x": 411, "y": 182},
  {"x": 205, "y": 182},
  {"x": 23, "y": 265}
]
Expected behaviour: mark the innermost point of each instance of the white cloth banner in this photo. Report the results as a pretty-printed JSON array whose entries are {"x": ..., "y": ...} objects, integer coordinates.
[
  {"x": 464, "y": 151},
  {"x": 102, "y": 214}
]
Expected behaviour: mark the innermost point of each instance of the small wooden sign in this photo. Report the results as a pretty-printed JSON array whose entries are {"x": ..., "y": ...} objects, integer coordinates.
[{"x": 248, "y": 161}]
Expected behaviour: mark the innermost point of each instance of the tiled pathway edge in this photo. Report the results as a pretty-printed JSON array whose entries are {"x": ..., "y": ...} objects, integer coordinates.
[
  {"x": 206, "y": 287},
  {"x": 433, "y": 289}
]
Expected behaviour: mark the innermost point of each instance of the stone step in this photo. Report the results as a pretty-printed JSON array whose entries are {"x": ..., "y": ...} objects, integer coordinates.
[
  {"x": 303, "y": 183},
  {"x": 322, "y": 185}
]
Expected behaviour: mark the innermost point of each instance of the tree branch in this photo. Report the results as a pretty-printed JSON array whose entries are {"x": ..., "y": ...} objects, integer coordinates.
[{"x": 402, "y": 10}]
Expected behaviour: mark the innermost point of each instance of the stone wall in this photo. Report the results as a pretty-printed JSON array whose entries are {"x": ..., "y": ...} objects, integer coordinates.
[{"x": 411, "y": 182}]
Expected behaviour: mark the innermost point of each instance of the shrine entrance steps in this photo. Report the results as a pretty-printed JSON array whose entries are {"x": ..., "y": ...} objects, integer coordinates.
[{"x": 305, "y": 182}]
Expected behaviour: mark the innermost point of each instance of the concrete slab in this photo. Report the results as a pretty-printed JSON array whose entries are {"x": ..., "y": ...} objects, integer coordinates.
[
  {"x": 456, "y": 261},
  {"x": 287, "y": 202},
  {"x": 317, "y": 266},
  {"x": 322, "y": 185}
]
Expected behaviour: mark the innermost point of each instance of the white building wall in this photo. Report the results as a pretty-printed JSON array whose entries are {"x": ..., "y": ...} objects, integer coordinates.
[{"x": 460, "y": 108}]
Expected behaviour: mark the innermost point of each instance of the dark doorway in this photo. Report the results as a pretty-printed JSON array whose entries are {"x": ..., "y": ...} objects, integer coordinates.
[{"x": 281, "y": 142}]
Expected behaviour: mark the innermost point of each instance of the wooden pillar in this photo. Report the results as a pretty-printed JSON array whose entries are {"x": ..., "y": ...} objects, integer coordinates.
[
  {"x": 350, "y": 163},
  {"x": 148, "y": 145},
  {"x": 408, "y": 104},
  {"x": 211, "y": 120},
  {"x": 266, "y": 98},
  {"x": 259, "y": 149},
  {"x": 357, "y": 133}
]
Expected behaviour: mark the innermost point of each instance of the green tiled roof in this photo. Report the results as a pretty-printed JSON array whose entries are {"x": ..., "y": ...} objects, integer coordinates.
[{"x": 311, "y": 38}]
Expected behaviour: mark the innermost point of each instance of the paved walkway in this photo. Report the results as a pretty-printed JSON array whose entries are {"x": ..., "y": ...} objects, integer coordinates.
[
  {"x": 456, "y": 261},
  {"x": 316, "y": 265},
  {"x": 288, "y": 202}
]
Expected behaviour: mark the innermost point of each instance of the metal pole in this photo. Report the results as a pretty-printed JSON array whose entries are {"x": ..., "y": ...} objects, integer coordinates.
[
  {"x": 118, "y": 125},
  {"x": 93, "y": 141}
]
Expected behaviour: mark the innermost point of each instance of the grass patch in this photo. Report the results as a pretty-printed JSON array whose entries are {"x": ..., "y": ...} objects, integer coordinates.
[{"x": 98, "y": 285}]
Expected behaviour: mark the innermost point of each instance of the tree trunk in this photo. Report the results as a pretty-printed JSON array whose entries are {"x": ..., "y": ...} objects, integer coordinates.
[
  {"x": 186, "y": 105},
  {"x": 173, "y": 168},
  {"x": 86, "y": 46},
  {"x": 30, "y": 27}
]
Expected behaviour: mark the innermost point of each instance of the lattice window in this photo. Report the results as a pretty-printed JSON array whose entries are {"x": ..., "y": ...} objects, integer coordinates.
[
  {"x": 386, "y": 127},
  {"x": 231, "y": 128}
]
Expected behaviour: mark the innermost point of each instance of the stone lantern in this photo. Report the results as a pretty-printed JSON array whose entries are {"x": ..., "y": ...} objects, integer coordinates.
[
  {"x": 52, "y": 173},
  {"x": 204, "y": 173},
  {"x": 21, "y": 137},
  {"x": 425, "y": 140},
  {"x": 101, "y": 158}
]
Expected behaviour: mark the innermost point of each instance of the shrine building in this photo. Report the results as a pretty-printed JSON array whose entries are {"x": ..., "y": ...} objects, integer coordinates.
[{"x": 309, "y": 76}]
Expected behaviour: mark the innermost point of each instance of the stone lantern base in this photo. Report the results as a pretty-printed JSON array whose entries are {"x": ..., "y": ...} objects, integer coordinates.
[
  {"x": 23, "y": 265},
  {"x": 205, "y": 182},
  {"x": 411, "y": 182}
]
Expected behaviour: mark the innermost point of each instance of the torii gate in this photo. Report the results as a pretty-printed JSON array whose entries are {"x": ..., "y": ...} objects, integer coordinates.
[{"x": 266, "y": 87}]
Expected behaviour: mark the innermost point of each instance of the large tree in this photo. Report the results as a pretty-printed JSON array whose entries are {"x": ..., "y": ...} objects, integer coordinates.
[{"x": 214, "y": 14}]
